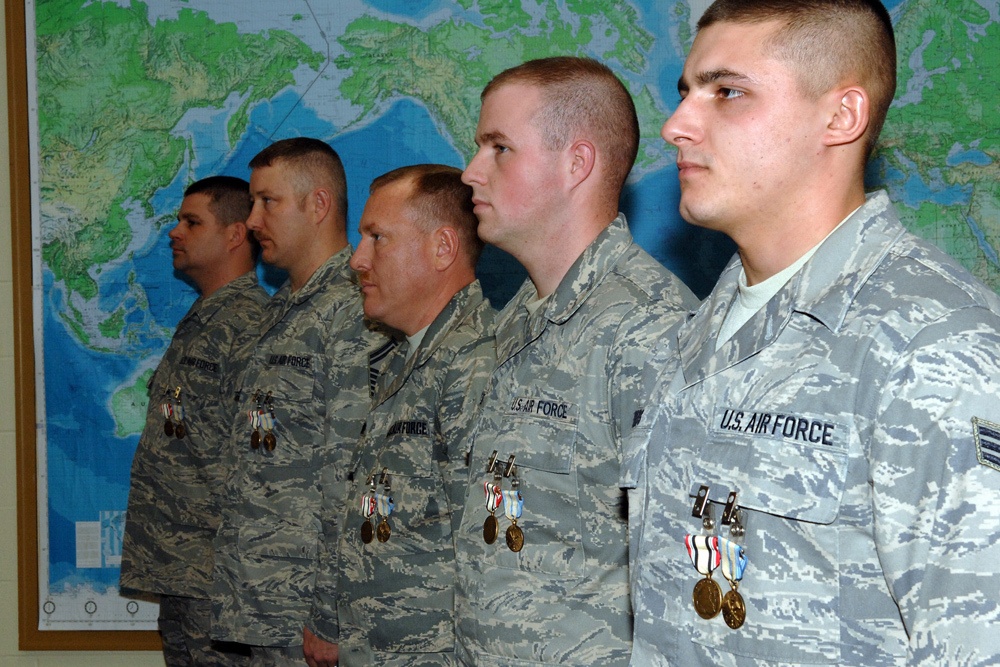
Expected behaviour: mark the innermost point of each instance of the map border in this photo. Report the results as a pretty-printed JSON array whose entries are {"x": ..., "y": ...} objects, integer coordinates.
[{"x": 30, "y": 637}]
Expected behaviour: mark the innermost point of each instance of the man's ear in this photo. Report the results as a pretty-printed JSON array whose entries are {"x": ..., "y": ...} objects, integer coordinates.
[
  {"x": 582, "y": 158},
  {"x": 320, "y": 200},
  {"x": 236, "y": 235},
  {"x": 447, "y": 245},
  {"x": 849, "y": 116}
]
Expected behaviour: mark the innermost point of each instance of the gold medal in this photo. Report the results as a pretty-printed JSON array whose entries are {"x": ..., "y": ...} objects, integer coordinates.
[
  {"x": 384, "y": 530},
  {"x": 515, "y": 538},
  {"x": 179, "y": 430},
  {"x": 707, "y": 597},
  {"x": 490, "y": 529},
  {"x": 270, "y": 441},
  {"x": 367, "y": 532},
  {"x": 255, "y": 439},
  {"x": 168, "y": 428},
  {"x": 734, "y": 609}
]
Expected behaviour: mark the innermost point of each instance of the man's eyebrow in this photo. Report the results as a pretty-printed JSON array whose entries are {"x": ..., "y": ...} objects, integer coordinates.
[
  {"x": 711, "y": 76},
  {"x": 491, "y": 137}
]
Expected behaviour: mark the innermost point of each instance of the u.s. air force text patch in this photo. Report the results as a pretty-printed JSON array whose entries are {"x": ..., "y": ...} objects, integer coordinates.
[{"x": 987, "y": 435}]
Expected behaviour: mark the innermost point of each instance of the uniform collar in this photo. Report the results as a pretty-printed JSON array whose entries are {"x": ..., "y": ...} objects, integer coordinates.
[
  {"x": 206, "y": 307},
  {"x": 824, "y": 289},
  {"x": 465, "y": 305},
  {"x": 587, "y": 272}
]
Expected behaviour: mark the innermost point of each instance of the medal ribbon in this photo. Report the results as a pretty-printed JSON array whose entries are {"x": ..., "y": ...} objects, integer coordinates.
[
  {"x": 179, "y": 412},
  {"x": 734, "y": 559},
  {"x": 267, "y": 420},
  {"x": 254, "y": 416},
  {"x": 704, "y": 552},
  {"x": 513, "y": 504},
  {"x": 167, "y": 410},
  {"x": 385, "y": 504},
  {"x": 367, "y": 505},
  {"x": 493, "y": 497}
]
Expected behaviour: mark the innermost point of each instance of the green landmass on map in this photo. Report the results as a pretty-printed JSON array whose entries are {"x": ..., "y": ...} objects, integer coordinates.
[
  {"x": 111, "y": 87},
  {"x": 946, "y": 104},
  {"x": 446, "y": 65},
  {"x": 129, "y": 405}
]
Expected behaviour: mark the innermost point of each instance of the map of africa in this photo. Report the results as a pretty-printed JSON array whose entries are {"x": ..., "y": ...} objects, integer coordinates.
[{"x": 135, "y": 100}]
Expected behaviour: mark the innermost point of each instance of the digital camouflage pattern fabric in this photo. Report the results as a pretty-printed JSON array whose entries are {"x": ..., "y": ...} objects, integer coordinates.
[
  {"x": 393, "y": 602},
  {"x": 560, "y": 402},
  {"x": 174, "y": 504},
  {"x": 844, "y": 417},
  {"x": 307, "y": 380}
]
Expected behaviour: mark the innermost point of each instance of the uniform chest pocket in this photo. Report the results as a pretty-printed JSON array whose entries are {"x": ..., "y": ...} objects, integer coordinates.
[
  {"x": 291, "y": 425},
  {"x": 421, "y": 513},
  {"x": 790, "y": 492},
  {"x": 552, "y": 522}
]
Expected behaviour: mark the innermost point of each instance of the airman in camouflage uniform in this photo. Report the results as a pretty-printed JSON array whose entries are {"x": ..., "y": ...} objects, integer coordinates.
[
  {"x": 835, "y": 457},
  {"x": 557, "y": 138},
  {"x": 179, "y": 464},
  {"x": 301, "y": 403},
  {"x": 392, "y": 602}
]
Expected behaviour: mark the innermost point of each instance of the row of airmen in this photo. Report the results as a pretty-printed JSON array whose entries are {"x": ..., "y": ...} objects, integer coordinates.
[{"x": 375, "y": 468}]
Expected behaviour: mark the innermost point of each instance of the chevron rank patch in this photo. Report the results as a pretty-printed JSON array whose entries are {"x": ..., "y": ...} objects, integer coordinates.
[{"x": 987, "y": 435}]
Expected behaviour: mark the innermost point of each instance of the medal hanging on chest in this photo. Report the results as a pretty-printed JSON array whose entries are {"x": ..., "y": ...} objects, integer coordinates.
[
  {"x": 254, "y": 416},
  {"x": 513, "y": 505},
  {"x": 368, "y": 504},
  {"x": 268, "y": 422},
  {"x": 494, "y": 498},
  {"x": 704, "y": 553},
  {"x": 734, "y": 562},
  {"x": 173, "y": 415},
  {"x": 167, "y": 409},
  {"x": 384, "y": 507}
]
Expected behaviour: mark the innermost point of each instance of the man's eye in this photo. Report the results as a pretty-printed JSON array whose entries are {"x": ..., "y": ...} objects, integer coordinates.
[
  {"x": 501, "y": 149},
  {"x": 730, "y": 93}
]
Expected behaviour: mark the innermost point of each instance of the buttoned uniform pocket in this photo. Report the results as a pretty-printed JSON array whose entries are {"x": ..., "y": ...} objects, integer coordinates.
[
  {"x": 551, "y": 522},
  {"x": 790, "y": 494}
]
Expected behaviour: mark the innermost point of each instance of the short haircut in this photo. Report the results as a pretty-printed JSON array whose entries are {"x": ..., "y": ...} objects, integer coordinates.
[
  {"x": 314, "y": 164},
  {"x": 581, "y": 98},
  {"x": 439, "y": 198},
  {"x": 229, "y": 202},
  {"x": 830, "y": 42}
]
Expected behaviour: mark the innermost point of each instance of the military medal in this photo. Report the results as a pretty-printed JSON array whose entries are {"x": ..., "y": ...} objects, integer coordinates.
[
  {"x": 704, "y": 553},
  {"x": 178, "y": 413},
  {"x": 254, "y": 416},
  {"x": 734, "y": 562},
  {"x": 168, "y": 424},
  {"x": 367, "y": 510},
  {"x": 268, "y": 421},
  {"x": 384, "y": 507},
  {"x": 513, "y": 505},
  {"x": 494, "y": 499}
]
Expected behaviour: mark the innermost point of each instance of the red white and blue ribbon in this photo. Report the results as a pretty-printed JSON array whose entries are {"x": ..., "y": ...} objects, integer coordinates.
[
  {"x": 704, "y": 552},
  {"x": 367, "y": 505},
  {"x": 493, "y": 496},
  {"x": 254, "y": 416}
]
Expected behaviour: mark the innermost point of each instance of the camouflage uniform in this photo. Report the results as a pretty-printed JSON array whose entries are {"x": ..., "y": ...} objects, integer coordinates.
[
  {"x": 873, "y": 537},
  {"x": 561, "y": 401},
  {"x": 393, "y": 602},
  {"x": 173, "y": 509},
  {"x": 312, "y": 359}
]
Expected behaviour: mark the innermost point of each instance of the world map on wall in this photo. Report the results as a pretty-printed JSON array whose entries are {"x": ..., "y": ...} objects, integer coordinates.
[{"x": 133, "y": 101}]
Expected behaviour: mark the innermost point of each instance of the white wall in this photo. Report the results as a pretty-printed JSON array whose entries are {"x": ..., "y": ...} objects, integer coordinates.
[{"x": 9, "y": 655}]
